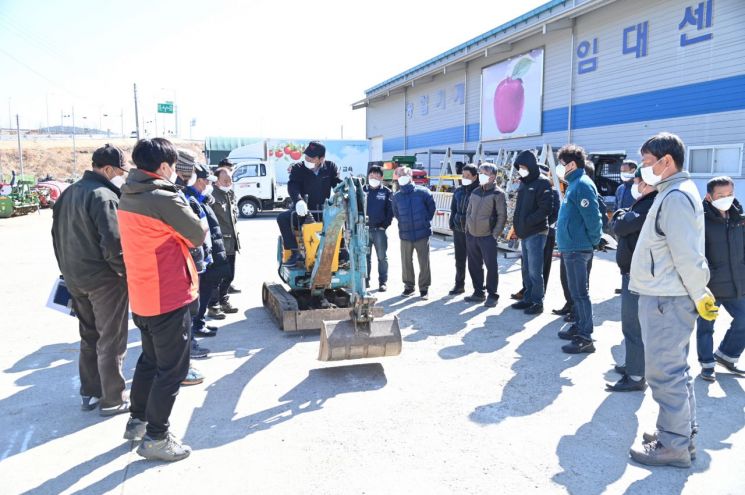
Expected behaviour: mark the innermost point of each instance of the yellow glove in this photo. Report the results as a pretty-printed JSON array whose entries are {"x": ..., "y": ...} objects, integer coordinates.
[{"x": 706, "y": 307}]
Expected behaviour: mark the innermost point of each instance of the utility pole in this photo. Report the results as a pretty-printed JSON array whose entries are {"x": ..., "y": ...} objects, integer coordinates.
[
  {"x": 342, "y": 131},
  {"x": 175, "y": 118},
  {"x": 156, "y": 124},
  {"x": 20, "y": 151},
  {"x": 137, "y": 115},
  {"x": 74, "y": 152}
]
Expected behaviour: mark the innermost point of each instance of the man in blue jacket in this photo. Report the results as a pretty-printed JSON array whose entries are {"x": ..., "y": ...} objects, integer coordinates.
[
  {"x": 578, "y": 232},
  {"x": 414, "y": 207},
  {"x": 624, "y": 199},
  {"x": 379, "y": 218}
]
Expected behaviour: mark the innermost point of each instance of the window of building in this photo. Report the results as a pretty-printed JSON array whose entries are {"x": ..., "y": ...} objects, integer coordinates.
[{"x": 715, "y": 160}]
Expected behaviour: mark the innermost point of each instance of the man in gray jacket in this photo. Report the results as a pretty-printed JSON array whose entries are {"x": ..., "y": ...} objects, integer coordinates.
[
  {"x": 670, "y": 273},
  {"x": 85, "y": 233},
  {"x": 486, "y": 215}
]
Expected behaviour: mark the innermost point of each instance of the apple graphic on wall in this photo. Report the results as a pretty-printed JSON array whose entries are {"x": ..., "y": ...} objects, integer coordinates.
[{"x": 509, "y": 97}]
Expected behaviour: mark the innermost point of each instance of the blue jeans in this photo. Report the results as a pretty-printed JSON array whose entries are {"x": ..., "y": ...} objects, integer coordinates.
[
  {"x": 631, "y": 328},
  {"x": 532, "y": 267},
  {"x": 733, "y": 342},
  {"x": 576, "y": 263},
  {"x": 379, "y": 239}
]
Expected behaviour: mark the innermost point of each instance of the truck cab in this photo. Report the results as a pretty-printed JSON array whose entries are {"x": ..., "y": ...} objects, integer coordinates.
[{"x": 256, "y": 189}]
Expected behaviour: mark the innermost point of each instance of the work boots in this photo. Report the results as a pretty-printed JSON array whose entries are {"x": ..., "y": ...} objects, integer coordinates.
[{"x": 656, "y": 454}]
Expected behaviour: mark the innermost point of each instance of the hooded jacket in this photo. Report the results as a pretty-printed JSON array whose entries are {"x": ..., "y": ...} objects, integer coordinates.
[
  {"x": 626, "y": 225},
  {"x": 459, "y": 205},
  {"x": 85, "y": 233},
  {"x": 316, "y": 186},
  {"x": 725, "y": 251},
  {"x": 534, "y": 201},
  {"x": 487, "y": 211},
  {"x": 157, "y": 229},
  {"x": 414, "y": 207},
  {"x": 669, "y": 259},
  {"x": 580, "y": 225}
]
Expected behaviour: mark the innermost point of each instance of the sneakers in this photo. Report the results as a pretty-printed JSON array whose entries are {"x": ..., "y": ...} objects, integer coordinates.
[
  {"x": 521, "y": 305},
  {"x": 228, "y": 308},
  {"x": 456, "y": 290},
  {"x": 708, "y": 374},
  {"x": 382, "y": 288},
  {"x": 579, "y": 346},
  {"x": 476, "y": 297},
  {"x": 491, "y": 301},
  {"x": 114, "y": 410},
  {"x": 89, "y": 403},
  {"x": 167, "y": 449},
  {"x": 424, "y": 294},
  {"x": 203, "y": 332},
  {"x": 534, "y": 309},
  {"x": 729, "y": 365},
  {"x": 569, "y": 333},
  {"x": 215, "y": 313},
  {"x": 656, "y": 454},
  {"x": 198, "y": 352},
  {"x": 652, "y": 437},
  {"x": 233, "y": 290},
  {"x": 193, "y": 377},
  {"x": 407, "y": 292},
  {"x": 135, "y": 429},
  {"x": 565, "y": 310},
  {"x": 627, "y": 384}
]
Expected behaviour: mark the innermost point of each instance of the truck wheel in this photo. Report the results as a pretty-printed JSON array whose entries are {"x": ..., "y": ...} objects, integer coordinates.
[{"x": 248, "y": 208}]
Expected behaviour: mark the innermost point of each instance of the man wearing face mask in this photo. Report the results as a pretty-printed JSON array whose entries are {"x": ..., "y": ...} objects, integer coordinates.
[
  {"x": 85, "y": 234},
  {"x": 313, "y": 178},
  {"x": 532, "y": 211},
  {"x": 458, "y": 207},
  {"x": 670, "y": 273},
  {"x": 225, "y": 211},
  {"x": 624, "y": 199},
  {"x": 626, "y": 225},
  {"x": 379, "y": 218},
  {"x": 157, "y": 229},
  {"x": 725, "y": 245},
  {"x": 486, "y": 216},
  {"x": 414, "y": 207},
  {"x": 578, "y": 232}
]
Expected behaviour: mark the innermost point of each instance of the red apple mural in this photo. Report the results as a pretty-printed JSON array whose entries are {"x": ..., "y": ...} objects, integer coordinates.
[{"x": 509, "y": 97}]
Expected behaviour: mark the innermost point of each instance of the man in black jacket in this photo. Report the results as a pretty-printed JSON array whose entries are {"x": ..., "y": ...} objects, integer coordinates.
[
  {"x": 725, "y": 250},
  {"x": 626, "y": 225},
  {"x": 85, "y": 233},
  {"x": 533, "y": 208},
  {"x": 458, "y": 207},
  {"x": 225, "y": 211},
  {"x": 379, "y": 218},
  {"x": 313, "y": 178}
]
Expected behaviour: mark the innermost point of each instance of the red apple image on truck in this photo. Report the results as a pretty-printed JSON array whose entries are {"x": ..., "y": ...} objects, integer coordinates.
[{"x": 509, "y": 97}]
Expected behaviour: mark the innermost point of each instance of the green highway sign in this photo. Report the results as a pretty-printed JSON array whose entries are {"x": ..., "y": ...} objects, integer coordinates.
[{"x": 166, "y": 107}]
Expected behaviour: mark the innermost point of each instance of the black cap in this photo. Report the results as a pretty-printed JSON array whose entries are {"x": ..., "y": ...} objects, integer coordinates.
[
  {"x": 202, "y": 172},
  {"x": 315, "y": 150},
  {"x": 109, "y": 155},
  {"x": 225, "y": 163}
]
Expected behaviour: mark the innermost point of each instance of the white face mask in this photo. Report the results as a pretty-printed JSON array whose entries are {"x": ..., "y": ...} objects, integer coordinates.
[
  {"x": 635, "y": 192},
  {"x": 627, "y": 176},
  {"x": 207, "y": 190},
  {"x": 561, "y": 171},
  {"x": 118, "y": 181},
  {"x": 466, "y": 182},
  {"x": 374, "y": 183},
  {"x": 192, "y": 180},
  {"x": 403, "y": 180},
  {"x": 225, "y": 188},
  {"x": 308, "y": 164},
  {"x": 649, "y": 176},
  {"x": 723, "y": 204},
  {"x": 522, "y": 172},
  {"x": 483, "y": 179}
]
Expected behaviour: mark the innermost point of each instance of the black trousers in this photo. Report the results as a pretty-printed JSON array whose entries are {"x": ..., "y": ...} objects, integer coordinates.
[
  {"x": 209, "y": 284},
  {"x": 162, "y": 366},
  {"x": 564, "y": 285},
  {"x": 220, "y": 296},
  {"x": 286, "y": 221},
  {"x": 461, "y": 254},
  {"x": 483, "y": 251},
  {"x": 548, "y": 255},
  {"x": 102, "y": 322}
]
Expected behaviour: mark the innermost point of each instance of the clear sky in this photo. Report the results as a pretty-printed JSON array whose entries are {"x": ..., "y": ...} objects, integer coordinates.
[{"x": 240, "y": 68}]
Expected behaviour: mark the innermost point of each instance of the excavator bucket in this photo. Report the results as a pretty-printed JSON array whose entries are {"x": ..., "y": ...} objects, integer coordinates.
[{"x": 342, "y": 339}]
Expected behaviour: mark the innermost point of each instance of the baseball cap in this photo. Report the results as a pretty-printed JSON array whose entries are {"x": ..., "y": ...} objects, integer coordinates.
[
  {"x": 315, "y": 150},
  {"x": 109, "y": 155},
  {"x": 225, "y": 163},
  {"x": 202, "y": 172}
]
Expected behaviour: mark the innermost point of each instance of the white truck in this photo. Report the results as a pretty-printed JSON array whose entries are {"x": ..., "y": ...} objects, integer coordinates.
[{"x": 256, "y": 189}]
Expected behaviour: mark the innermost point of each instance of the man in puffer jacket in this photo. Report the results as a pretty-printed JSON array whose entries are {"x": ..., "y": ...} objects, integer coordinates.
[
  {"x": 725, "y": 250},
  {"x": 485, "y": 219},
  {"x": 458, "y": 206},
  {"x": 414, "y": 207}
]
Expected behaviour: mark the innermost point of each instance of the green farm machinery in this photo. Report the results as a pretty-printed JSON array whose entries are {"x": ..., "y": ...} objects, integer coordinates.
[{"x": 17, "y": 196}]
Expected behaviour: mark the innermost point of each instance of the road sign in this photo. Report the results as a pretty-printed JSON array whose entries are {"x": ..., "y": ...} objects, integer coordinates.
[{"x": 166, "y": 107}]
